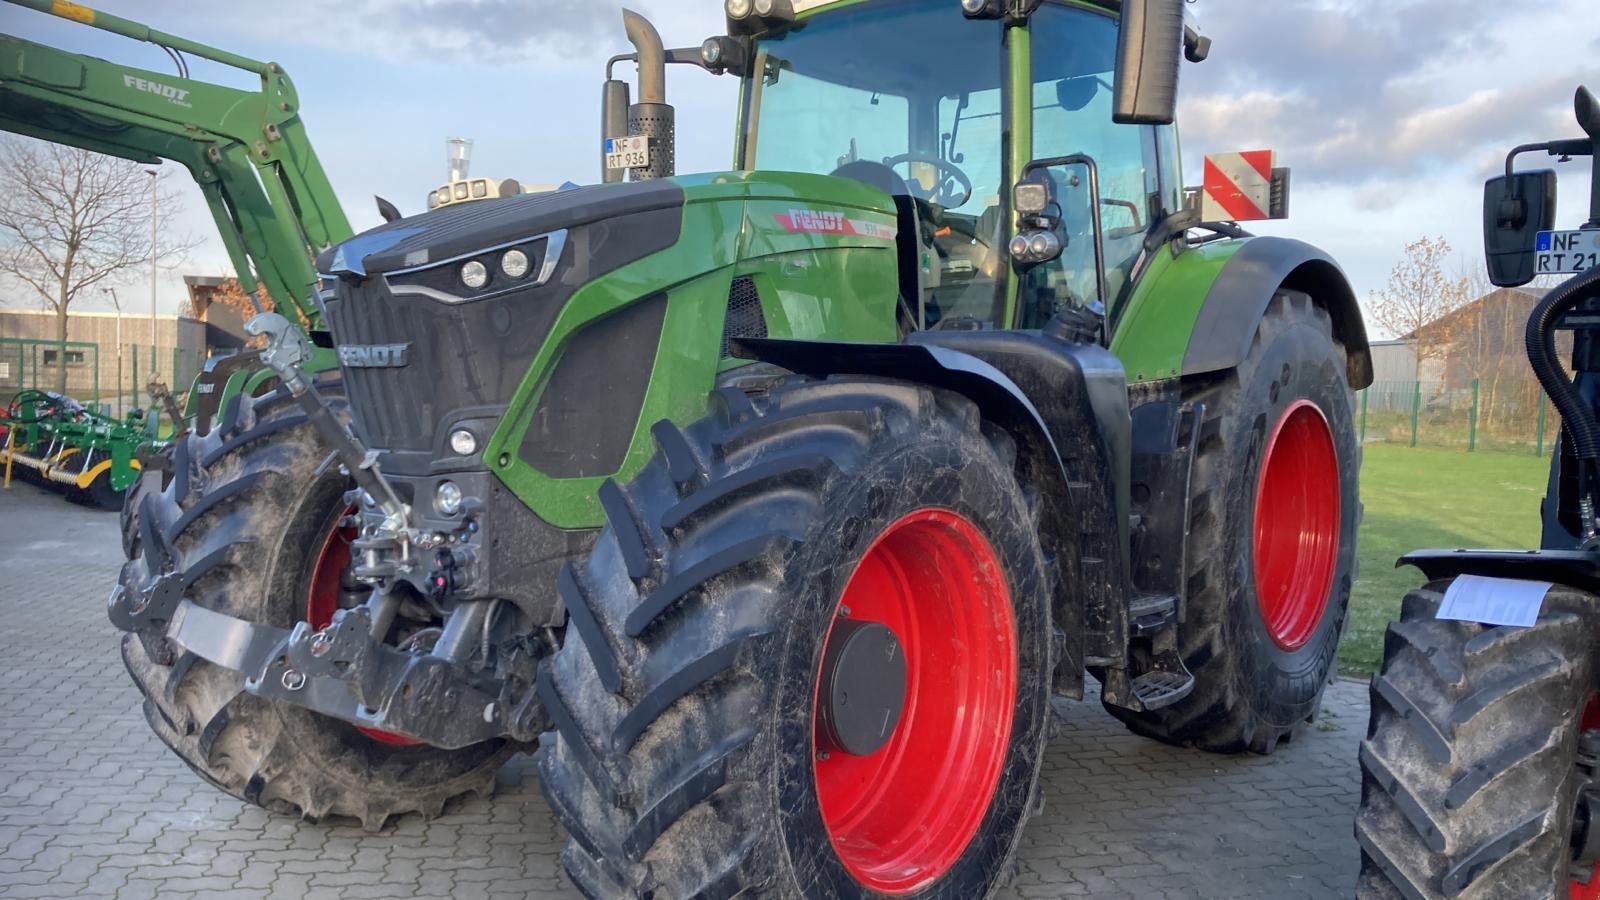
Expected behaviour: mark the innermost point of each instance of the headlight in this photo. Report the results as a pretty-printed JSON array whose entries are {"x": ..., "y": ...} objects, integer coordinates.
[
  {"x": 738, "y": 9},
  {"x": 515, "y": 264},
  {"x": 711, "y": 52},
  {"x": 463, "y": 442},
  {"x": 447, "y": 498},
  {"x": 474, "y": 274}
]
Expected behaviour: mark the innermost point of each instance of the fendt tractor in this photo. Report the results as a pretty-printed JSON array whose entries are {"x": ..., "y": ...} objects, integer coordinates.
[
  {"x": 773, "y": 506},
  {"x": 1481, "y": 767}
]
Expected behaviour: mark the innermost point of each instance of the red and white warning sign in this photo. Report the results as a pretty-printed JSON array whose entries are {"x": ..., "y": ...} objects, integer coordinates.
[{"x": 1238, "y": 186}]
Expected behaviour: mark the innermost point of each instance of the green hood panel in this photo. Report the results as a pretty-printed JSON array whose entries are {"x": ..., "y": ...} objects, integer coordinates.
[{"x": 819, "y": 251}]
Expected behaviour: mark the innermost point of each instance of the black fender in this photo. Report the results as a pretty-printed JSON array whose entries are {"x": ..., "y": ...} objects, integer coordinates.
[
  {"x": 1578, "y": 569},
  {"x": 1245, "y": 286},
  {"x": 1066, "y": 407}
]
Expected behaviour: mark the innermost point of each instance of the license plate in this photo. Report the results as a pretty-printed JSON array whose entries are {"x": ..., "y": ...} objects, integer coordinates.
[
  {"x": 627, "y": 153},
  {"x": 1567, "y": 252}
]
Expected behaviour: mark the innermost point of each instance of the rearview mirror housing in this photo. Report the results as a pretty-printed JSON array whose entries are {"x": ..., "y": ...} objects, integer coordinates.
[
  {"x": 1515, "y": 209},
  {"x": 1150, "y": 47}
]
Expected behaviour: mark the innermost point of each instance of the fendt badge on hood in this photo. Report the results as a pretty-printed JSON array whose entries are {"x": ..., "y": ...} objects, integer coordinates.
[{"x": 375, "y": 356}]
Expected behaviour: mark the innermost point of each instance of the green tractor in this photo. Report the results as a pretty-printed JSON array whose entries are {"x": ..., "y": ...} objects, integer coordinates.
[{"x": 774, "y": 506}]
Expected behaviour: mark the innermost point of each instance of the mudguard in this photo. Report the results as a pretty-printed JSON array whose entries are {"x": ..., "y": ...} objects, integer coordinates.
[
  {"x": 1245, "y": 286},
  {"x": 1578, "y": 569},
  {"x": 1223, "y": 289},
  {"x": 1066, "y": 406}
]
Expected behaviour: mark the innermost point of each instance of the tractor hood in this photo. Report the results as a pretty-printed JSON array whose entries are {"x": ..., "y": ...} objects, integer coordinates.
[
  {"x": 440, "y": 319},
  {"x": 458, "y": 231}
]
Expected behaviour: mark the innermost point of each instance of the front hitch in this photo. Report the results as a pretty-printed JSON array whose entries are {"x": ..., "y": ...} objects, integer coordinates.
[
  {"x": 341, "y": 671},
  {"x": 344, "y": 670}
]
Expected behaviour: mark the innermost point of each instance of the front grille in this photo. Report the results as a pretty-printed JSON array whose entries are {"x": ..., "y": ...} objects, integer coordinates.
[{"x": 393, "y": 407}]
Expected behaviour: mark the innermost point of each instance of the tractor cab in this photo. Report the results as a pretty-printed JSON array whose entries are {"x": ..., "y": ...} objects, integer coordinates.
[{"x": 942, "y": 110}]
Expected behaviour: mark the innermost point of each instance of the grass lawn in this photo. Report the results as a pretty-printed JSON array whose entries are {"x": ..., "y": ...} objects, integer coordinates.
[{"x": 1425, "y": 498}]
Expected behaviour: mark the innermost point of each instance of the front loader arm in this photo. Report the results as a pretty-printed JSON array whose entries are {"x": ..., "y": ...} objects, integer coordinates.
[{"x": 248, "y": 150}]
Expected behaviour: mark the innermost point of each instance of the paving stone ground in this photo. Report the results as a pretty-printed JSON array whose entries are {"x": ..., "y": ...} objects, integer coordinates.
[{"x": 92, "y": 805}]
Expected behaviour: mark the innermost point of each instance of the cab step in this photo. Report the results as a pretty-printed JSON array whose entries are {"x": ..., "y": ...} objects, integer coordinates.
[{"x": 1155, "y": 690}]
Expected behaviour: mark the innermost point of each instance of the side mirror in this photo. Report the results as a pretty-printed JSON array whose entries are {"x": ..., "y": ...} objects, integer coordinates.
[
  {"x": 615, "y": 99},
  {"x": 1150, "y": 47},
  {"x": 1515, "y": 209},
  {"x": 1588, "y": 113}
]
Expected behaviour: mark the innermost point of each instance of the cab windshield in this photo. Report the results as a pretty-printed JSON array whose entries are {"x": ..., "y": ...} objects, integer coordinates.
[{"x": 910, "y": 87}]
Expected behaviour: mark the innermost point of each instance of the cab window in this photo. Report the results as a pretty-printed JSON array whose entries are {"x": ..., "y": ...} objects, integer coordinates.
[
  {"x": 1073, "y": 67},
  {"x": 906, "y": 95}
]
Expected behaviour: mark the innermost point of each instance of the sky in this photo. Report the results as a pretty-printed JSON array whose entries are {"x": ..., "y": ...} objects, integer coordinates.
[{"x": 1391, "y": 113}]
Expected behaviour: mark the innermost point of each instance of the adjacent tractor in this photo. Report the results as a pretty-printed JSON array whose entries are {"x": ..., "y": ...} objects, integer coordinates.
[
  {"x": 1481, "y": 768},
  {"x": 773, "y": 506}
]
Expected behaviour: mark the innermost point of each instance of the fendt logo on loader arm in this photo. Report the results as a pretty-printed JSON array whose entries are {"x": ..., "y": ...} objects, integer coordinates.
[{"x": 176, "y": 95}]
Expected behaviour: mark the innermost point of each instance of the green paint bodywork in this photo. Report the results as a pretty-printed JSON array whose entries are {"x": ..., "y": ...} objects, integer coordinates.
[
  {"x": 811, "y": 286},
  {"x": 1153, "y": 333}
]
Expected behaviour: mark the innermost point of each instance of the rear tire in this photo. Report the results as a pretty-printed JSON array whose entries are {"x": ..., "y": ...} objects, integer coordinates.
[
  {"x": 1468, "y": 775},
  {"x": 1260, "y": 669},
  {"x": 686, "y": 760},
  {"x": 246, "y": 512}
]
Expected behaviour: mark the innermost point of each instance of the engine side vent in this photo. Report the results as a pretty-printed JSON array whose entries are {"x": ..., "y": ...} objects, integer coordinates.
[{"x": 745, "y": 319}]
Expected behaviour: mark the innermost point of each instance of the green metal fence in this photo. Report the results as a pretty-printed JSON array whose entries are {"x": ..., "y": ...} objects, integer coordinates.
[
  {"x": 1505, "y": 415},
  {"x": 110, "y": 378}
]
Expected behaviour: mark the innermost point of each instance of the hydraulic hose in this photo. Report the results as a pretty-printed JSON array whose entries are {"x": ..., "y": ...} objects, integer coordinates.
[{"x": 1541, "y": 344}]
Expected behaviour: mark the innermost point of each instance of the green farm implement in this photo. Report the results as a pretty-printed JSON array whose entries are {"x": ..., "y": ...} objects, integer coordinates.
[
  {"x": 54, "y": 440},
  {"x": 772, "y": 505}
]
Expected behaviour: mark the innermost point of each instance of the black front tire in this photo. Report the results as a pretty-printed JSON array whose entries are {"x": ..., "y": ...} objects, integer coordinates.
[
  {"x": 1468, "y": 775},
  {"x": 1250, "y": 693},
  {"x": 245, "y": 512},
  {"x": 682, "y": 763}
]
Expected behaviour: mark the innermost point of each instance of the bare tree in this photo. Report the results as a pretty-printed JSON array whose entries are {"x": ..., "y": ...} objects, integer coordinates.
[
  {"x": 71, "y": 220},
  {"x": 1419, "y": 299}
]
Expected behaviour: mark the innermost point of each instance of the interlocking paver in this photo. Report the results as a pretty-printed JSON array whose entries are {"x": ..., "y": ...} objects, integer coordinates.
[{"x": 92, "y": 805}]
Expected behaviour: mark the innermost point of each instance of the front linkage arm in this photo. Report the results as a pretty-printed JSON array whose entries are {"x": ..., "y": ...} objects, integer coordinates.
[{"x": 344, "y": 670}]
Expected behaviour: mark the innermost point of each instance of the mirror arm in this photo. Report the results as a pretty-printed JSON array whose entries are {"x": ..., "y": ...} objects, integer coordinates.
[
  {"x": 683, "y": 56},
  {"x": 1573, "y": 147}
]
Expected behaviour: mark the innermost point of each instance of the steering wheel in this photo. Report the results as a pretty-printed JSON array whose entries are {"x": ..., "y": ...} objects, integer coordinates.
[{"x": 942, "y": 193}]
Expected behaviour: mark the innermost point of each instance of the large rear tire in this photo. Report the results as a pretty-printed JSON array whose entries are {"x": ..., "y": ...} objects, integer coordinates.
[
  {"x": 699, "y": 749},
  {"x": 1273, "y": 513},
  {"x": 248, "y": 512},
  {"x": 1470, "y": 772}
]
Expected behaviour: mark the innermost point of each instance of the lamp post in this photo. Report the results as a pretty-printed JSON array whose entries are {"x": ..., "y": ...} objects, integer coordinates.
[
  {"x": 117, "y": 304},
  {"x": 154, "y": 180}
]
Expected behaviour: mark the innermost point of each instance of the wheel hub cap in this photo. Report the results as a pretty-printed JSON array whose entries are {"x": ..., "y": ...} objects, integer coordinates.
[
  {"x": 1296, "y": 525},
  {"x": 863, "y": 688}
]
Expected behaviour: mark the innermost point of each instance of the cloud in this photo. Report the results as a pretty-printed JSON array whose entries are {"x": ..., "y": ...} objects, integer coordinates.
[
  {"x": 486, "y": 31},
  {"x": 1368, "y": 95}
]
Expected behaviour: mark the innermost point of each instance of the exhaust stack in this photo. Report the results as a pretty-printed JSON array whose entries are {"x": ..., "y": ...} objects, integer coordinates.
[{"x": 652, "y": 117}]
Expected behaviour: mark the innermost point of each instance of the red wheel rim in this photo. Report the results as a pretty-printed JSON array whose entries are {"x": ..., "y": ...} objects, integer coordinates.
[
  {"x": 1577, "y": 890},
  {"x": 901, "y": 817},
  {"x": 1296, "y": 525},
  {"x": 322, "y": 601}
]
